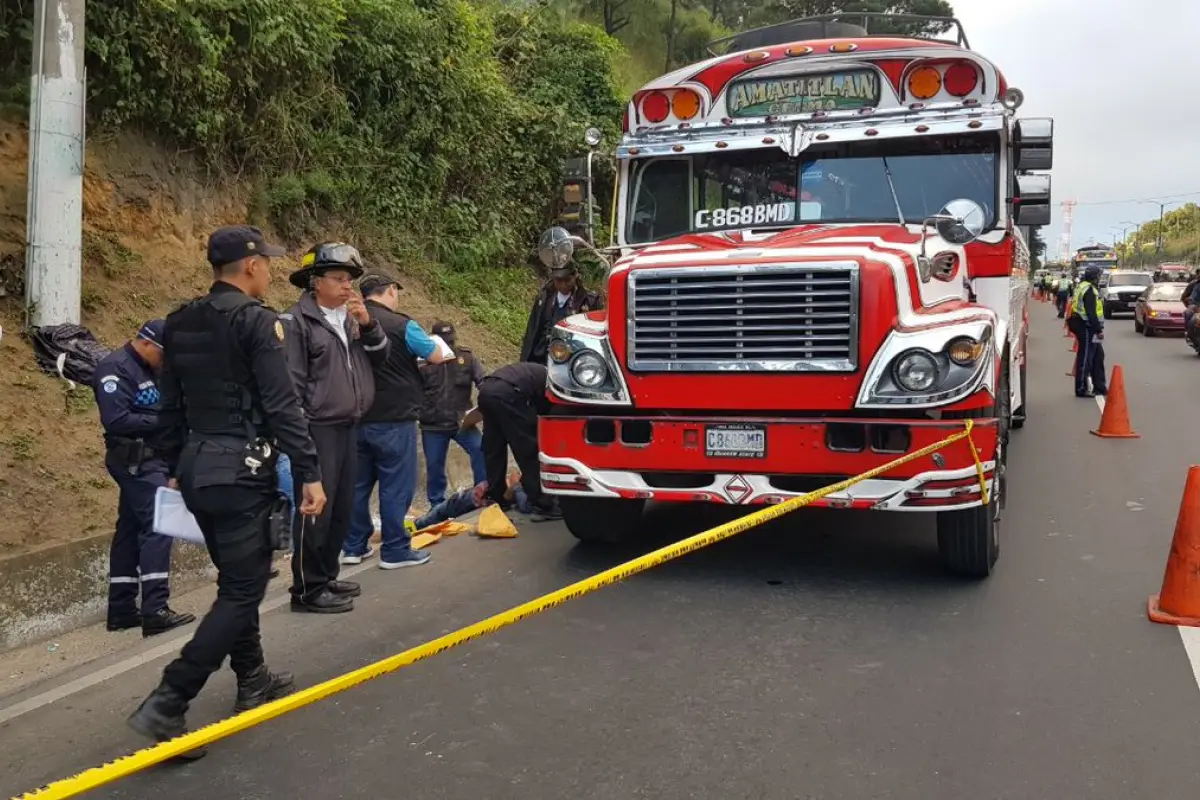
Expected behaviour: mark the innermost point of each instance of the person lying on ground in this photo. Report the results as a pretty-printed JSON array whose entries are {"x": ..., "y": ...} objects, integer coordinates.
[{"x": 465, "y": 501}]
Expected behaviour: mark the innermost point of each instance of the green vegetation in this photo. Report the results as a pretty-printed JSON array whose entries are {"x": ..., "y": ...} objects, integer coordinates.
[
  {"x": 426, "y": 131},
  {"x": 1180, "y": 231}
]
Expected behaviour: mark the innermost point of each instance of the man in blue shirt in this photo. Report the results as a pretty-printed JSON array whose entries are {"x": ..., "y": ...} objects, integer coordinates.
[
  {"x": 387, "y": 436},
  {"x": 127, "y": 395}
]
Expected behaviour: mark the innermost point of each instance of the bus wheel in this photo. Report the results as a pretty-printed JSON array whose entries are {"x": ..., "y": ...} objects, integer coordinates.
[{"x": 601, "y": 520}]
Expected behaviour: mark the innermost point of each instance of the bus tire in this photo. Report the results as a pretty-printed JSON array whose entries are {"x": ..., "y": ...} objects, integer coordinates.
[{"x": 601, "y": 520}]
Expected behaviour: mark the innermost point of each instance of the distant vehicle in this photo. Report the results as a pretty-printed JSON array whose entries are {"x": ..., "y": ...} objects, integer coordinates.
[
  {"x": 1122, "y": 289},
  {"x": 1095, "y": 255},
  {"x": 1159, "y": 308}
]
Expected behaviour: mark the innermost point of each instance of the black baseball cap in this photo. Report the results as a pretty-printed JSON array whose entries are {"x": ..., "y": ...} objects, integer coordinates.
[
  {"x": 152, "y": 331},
  {"x": 442, "y": 329},
  {"x": 235, "y": 242},
  {"x": 375, "y": 281}
]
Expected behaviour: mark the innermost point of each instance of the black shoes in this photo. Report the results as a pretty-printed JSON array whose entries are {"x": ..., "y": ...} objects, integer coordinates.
[
  {"x": 124, "y": 622},
  {"x": 161, "y": 717},
  {"x": 344, "y": 588},
  {"x": 260, "y": 687},
  {"x": 324, "y": 603},
  {"x": 164, "y": 620},
  {"x": 546, "y": 511},
  {"x": 161, "y": 622}
]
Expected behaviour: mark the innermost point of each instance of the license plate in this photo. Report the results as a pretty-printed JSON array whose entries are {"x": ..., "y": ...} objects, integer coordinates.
[{"x": 735, "y": 441}]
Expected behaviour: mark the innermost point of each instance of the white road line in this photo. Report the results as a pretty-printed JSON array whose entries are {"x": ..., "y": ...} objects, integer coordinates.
[
  {"x": 133, "y": 662},
  {"x": 1191, "y": 644}
]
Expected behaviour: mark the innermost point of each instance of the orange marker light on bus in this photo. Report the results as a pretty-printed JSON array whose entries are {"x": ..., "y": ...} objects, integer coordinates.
[
  {"x": 655, "y": 107},
  {"x": 924, "y": 83},
  {"x": 685, "y": 104}
]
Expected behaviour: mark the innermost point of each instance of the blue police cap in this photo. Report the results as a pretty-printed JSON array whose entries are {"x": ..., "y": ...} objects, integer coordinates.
[
  {"x": 152, "y": 331},
  {"x": 235, "y": 242}
]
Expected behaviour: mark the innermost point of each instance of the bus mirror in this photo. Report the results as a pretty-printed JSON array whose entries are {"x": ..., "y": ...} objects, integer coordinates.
[
  {"x": 1031, "y": 205},
  {"x": 1029, "y": 158},
  {"x": 1033, "y": 143},
  {"x": 556, "y": 248},
  {"x": 960, "y": 221}
]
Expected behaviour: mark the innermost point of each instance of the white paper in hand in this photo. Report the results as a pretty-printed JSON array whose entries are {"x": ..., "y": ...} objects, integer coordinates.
[
  {"x": 443, "y": 348},
  {"x": 172, "y": 518}
]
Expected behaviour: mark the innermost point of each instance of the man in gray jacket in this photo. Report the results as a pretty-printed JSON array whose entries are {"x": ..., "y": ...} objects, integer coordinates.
[{"x": 332, "y": 346}]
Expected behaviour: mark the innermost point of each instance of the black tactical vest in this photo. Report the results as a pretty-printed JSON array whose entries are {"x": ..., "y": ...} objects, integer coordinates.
[{"x": 202, "y": 348}]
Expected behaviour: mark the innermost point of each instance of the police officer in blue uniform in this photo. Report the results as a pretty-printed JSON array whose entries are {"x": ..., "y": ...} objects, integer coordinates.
[
  {"x": 127, "y": 394},
  {"x": 227, "y": 404}
]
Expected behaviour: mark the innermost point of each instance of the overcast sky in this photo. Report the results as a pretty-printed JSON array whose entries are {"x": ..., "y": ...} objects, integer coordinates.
[{"x": 1122, "y": 83}]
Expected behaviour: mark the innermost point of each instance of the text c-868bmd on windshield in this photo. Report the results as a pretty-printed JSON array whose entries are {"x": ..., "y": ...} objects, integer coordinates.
[{"x": 765, "y": 214}]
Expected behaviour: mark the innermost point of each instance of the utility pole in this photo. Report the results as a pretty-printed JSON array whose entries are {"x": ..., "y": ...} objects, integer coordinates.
[{"x": 54, "y": 208}]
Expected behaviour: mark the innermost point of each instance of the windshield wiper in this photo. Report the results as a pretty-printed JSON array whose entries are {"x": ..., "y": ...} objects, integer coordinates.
[{"x": 892, "y": 186}]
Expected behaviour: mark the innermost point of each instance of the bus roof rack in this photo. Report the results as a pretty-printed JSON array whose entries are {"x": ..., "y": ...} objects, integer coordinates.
[{"x": 844, "y": 25}]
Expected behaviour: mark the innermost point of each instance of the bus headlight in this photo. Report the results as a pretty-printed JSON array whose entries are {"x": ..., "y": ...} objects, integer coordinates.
[
  {"x": 589, "y": 370},
  {"x": 916, "y": 371},
  {"x": 583, "y": 368},
  {"x": 930, "y": 367}
]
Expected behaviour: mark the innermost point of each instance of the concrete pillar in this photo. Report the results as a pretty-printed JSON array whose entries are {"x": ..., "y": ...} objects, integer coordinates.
[{"x": 54, "y": 214}]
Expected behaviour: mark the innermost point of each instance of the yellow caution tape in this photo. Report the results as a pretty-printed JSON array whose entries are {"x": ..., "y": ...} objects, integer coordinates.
[{"x": 136, "y": 762}]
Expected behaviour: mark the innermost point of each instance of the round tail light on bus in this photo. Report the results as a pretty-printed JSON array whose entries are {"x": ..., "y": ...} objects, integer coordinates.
[
  {"x": 685, "y": 104},
  {"x": 924, "y": 83},
  {"x": 656, "y": 107},
  {"x": 960, "y": 79}
]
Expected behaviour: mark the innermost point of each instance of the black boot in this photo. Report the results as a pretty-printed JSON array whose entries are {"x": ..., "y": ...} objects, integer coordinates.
[
  {"x": 164, "y": 620},
  {"x": 261, "y": 686},
  {"x": 123, "y": 622},
  {"x": 161, "y": 717}
]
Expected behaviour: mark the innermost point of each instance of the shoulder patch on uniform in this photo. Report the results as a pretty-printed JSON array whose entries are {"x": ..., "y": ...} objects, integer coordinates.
[
  {"x": 110, "y": 379},
  {"x": 279, "y": 330},
  {"x": 109, "y": 385}
]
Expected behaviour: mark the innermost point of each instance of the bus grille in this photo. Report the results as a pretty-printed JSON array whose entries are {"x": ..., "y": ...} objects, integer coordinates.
[{"x": 754, "y": 318}]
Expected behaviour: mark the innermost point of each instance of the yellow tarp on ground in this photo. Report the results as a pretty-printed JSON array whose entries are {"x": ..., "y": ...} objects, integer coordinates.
[
  {"x": 422, "y": 540},
  {"x": 495, "y": 524},
  {"x": 448, "y": 528}
]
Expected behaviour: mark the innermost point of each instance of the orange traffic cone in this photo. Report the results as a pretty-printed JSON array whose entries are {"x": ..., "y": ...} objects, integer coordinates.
[
  {"x": 1071, "y": 374},
  {"x": 1114, "y": 422},
  {"x": 1179, "y": 601},
  {"x": 1074, "y": 345}
]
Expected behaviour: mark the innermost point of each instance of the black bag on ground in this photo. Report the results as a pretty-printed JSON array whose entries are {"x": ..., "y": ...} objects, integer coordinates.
[{"x": 74, "y": 345}]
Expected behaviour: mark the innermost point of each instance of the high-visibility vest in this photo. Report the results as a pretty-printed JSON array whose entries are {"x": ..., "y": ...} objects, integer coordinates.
[{"x": 1095, "y": 313}]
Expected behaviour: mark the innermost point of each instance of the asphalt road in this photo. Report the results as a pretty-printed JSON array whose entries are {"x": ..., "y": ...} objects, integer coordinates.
[{"x": 826, "y": 656}]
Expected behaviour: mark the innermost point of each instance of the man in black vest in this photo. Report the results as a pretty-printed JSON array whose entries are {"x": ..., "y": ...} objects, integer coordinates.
[
  {"x": 448, "y": 388},
  {"x": 387, "y": 438},
  {"x": 227, "y": 400}
]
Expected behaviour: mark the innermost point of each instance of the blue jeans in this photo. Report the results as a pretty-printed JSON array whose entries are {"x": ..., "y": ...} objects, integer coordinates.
[
  {"x": 387, "y": 454},
  {"x": 463, "y": 502},
  {"x": 287, "y": 488},
  {"x": 436, "y": 445}
]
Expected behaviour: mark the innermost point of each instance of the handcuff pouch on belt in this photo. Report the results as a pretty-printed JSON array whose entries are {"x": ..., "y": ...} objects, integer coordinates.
[{"x": 130, "y": 453}]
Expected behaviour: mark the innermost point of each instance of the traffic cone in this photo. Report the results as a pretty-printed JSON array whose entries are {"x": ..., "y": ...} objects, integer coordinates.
[
  {"x": 1114, "y": 422},
  {"x": 1179, "y": 601},
  {"x": 1074, "y": 345}
]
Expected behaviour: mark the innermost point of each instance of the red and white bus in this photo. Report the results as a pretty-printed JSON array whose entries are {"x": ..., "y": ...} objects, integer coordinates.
[{"x": 821, "y": 264}]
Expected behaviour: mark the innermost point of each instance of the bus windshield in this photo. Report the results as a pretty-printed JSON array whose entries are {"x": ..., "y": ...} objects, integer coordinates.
[{"x": 840, "y": 183}]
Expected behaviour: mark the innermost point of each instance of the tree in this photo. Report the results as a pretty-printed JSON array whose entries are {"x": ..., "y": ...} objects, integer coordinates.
[
  {"x": 774, "y": 11},
  {"x": 1037, "y": 248}
]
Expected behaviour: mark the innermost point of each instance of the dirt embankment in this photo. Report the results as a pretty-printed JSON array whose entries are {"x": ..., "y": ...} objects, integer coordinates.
[{"x": 147, "y": 213}]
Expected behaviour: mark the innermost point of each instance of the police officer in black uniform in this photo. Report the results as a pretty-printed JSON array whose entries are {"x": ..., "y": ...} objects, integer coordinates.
[
  {"x": 227, "y": 400},
  {"x": 510, "y": 400}
]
